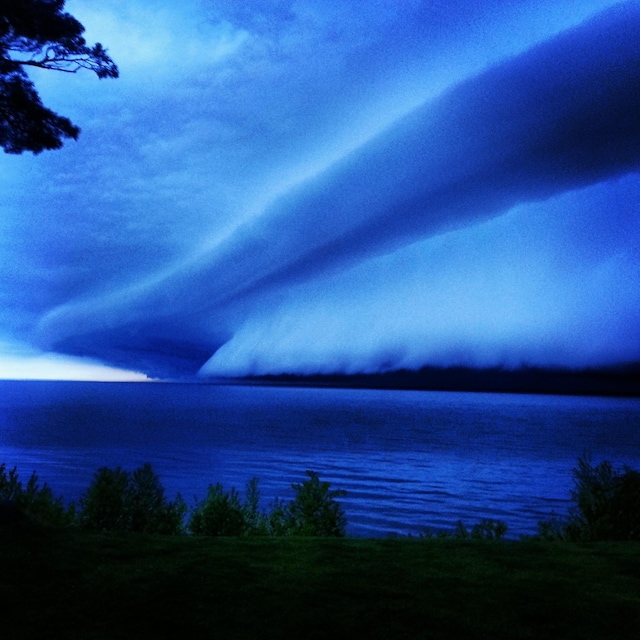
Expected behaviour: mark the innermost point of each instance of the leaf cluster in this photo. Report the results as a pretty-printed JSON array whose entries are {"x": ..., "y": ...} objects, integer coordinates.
[
  {"x": 313, "y": 512},
  {"x": 121, "y": 501},
  {"x": 606, "y": 505},
  {"x": 486, "y": 529},
  {"x": 223, "y": 514},
  {"x": 36, "y": 501},
  {"x": 38, "y": 33}
]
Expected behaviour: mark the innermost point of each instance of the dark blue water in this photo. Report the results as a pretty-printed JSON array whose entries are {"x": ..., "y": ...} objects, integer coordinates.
[{"x": 408, "y": 459}]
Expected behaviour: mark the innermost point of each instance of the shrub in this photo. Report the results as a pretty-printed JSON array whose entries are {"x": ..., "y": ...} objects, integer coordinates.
[
  {"x": 224, "y": 514},
  {"x": 10, "y": 485},
  {"x": 486, "y": 529},
  {"x": 36, "y": 501},
  {"x": 277, "y": 519},
  {"x": 121, "y": 501},
  {"x": 256, "y": 522},
  {"x": 219, "y": 514},
  {"x": 315, "y": 511},
  {"x": 625, "y": 506},
  {"x": 149, "y": 510},
  {"x": 606, "y": 505},
  {"x": 489, "y": 530},
  {"x": 103, "y": 507},
  {"x": 553, "y": 529}
]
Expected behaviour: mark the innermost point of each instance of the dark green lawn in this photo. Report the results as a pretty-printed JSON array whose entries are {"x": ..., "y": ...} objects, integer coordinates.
[{"x": 71, "y": 584}]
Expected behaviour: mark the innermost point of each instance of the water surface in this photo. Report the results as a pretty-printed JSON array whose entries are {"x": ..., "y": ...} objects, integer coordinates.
[{"x": 408, "y": 459}]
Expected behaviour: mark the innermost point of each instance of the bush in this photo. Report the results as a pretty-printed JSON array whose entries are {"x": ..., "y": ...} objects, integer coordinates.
[
  {"x": 219, "y": 514},
  {"x": 121, "y": 501},
  {"x": 489, "y": 530},
  {"x": 486, "y": 529},
  {"x": 315, "y": 511},
  {"x": 554, "y": 529},
  {"x": 36, "y": 501},
  {"x": 149, "y": 510},
  {"x": 103, "y": 507},
  {"x": 256, "y": 522},
  {"x": 606, "y": 505},
  {"x": 277, "y": 521},
  {"x": 224, "y": 514},
  {"x": 118, "y": 500}
]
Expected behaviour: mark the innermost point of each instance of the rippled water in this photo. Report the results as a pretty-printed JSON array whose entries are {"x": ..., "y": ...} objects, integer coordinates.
[{"x": 408, "y": 459}]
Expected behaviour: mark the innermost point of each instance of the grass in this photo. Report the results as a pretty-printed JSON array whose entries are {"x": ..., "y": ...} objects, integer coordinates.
[{"x": 74, "y": 584}]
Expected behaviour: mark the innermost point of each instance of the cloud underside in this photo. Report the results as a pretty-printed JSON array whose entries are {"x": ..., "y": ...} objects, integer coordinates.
[{"x": 496, "y": 223}]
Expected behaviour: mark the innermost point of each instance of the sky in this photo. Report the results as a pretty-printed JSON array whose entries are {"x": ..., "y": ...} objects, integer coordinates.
[{"x": 317, "y": 186}]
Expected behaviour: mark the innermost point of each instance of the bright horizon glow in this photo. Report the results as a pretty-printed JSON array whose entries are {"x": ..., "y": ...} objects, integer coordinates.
[{"x": 55, "y": 367}]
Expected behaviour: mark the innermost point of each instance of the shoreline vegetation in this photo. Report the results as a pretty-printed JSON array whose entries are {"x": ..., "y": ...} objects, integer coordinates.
[
  {"x": 605, "y": 506},
  {"x": 78, "y": 581}
]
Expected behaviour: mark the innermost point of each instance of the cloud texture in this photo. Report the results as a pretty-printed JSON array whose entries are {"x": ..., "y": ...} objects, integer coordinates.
[{"x": 306, "y": 186}]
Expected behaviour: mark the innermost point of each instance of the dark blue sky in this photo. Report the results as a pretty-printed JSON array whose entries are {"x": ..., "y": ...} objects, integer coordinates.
[{"x": 321, "y": 186}]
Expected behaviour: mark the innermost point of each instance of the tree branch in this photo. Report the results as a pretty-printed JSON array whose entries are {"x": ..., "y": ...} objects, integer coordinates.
[
  {"x": 94, "y": 60},
  {"x": 52, "y": 64}
]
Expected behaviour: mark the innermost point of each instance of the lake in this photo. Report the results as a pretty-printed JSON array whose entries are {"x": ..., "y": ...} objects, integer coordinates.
[{"x": 407, "y": 459}]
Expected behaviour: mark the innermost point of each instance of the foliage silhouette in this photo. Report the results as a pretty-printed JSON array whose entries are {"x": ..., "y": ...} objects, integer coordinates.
[
  {"x": 256, "y": 522},
  {"x": 315, "y": 511},
  {"x": 121, "y": 501},
  {"x": 36, "y": 501},
  {"x": 224, "y": 514},
  {"x": 39, "y": 34},
  {"x": 486, "y": 529},
  {"x": 103, "y": 506},
  {"x": 219, "y": 514},
  {"x": 150, "y": 512},
  {"x": 606, "y": 505}
]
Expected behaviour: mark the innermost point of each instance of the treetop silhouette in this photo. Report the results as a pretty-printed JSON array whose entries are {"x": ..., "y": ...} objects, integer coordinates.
[{"x": 39, "y": 34}]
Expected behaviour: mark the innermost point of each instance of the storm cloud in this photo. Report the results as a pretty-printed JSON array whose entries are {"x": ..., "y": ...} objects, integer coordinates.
[{"x": 341, "y": 190}]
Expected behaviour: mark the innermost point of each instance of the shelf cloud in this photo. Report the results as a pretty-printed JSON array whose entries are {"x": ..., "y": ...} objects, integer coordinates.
[{"x": 295, "y": 187}]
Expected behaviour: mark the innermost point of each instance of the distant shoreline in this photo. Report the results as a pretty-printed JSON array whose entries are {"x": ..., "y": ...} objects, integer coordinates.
[
  {"x": 623, "y": 381},
  {"x": 617, "y": 381}
]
